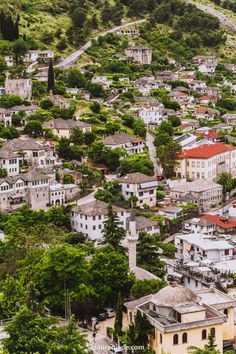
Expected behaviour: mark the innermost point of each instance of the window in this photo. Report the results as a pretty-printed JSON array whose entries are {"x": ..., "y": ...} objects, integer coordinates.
[
  {"x": 176, "y": 339},
  {"x": 226, "y": 312},
  {"x": 213, "y": 332},
  {"x": 204, "y": 334},
  {"x": 94, "y": 227},
  {"x": 184, "y": 337},
  {"x": 226, "y": 252},
  {"x": 161, "y": 338}
]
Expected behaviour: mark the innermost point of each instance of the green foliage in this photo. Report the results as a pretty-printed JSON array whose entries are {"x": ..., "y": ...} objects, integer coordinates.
[
  {"x": 145, "y": 287},
  {"x": 147, "y": 253},
  {"x": 139, "y": 128},
  {"x": 8, "y": 101},
  {"x": 32, "y": 332},
  {"x": 227, "y": 181},
  {"x": 68, "y": 178},
  {"x": 100, "y": 153},
  {"x": 137, "y": 163},
  {"x": 119, "y": 317},
  {"x": 113, "y": 232},
  {"x": 95, "y": 107},
  {"x": 110, "y": 193},
  {"x": 33, "y": 128},
  {"x": 68, "y": 152},
  {"x": 110, "y": 275}
]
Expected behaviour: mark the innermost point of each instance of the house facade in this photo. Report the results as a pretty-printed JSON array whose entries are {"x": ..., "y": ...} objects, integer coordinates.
[
  {"x": 130, "y": 144},
  {"x": 181, "y": 319},
  {"x": 141, "y": 186},
  {"x": 19, "y": 87},
  {"x": 206, "y": 161}
]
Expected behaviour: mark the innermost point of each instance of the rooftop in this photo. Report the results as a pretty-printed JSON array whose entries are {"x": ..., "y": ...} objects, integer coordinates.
[
  {"x": 196, "y": 186},
  {"x": 205, "y": 244},
  {"x": 206, "y": 151},
  {"x": 220, "y": 221},
  {"x": 60, "y": 123},
  {"x": 94, "y": 208},
  {"x": 121, "y": 138},
  {"x": 137, "y": 177}
]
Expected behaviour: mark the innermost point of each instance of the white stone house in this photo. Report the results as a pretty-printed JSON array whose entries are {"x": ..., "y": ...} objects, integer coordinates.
[
  {"x": 206, "y": 161},
  {"x": 62, "y": 193},
  {"x": 19, "y": 87},
  {"x": 89, "y": 218},
  {"x": 152, "y": 114},
  {"x": 171, "y": 212},
  {"x": 196, "y": 247},
  {"x": 35, "y": 55},
  {"x": 141, "y": 186},
  {"x": 130, "y": 144}
]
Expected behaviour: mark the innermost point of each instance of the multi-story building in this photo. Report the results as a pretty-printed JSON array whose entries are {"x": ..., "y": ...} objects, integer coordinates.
[
  {"x": 130, "y": 144},
  {"x": 63, "y": 128},
  {"x": 206, "y": 193},
  {"x": 15, "y": 152},
  {"x": 128, "y": 32},
  {"x": 206, "y": 161},
  {"x": 152, "y": 114},
  {"x": 182, "y": 98},
  {"x": 62, "y": 193},
  {"x": 143, "y": 55},
  {"x": 89, "y": 218},
  {"x": 197, "y": 247},
  {"x": 19, "y": 87},
  {"x": 141, "y": 186},
  {"x": 183, "y": 319}
]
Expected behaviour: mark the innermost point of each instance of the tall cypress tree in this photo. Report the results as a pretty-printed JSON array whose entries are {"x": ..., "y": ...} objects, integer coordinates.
[
  {"x": 113, "y": 232},
  {"x": 119, "y": 316},
  {"x": 51, "y": 79}
]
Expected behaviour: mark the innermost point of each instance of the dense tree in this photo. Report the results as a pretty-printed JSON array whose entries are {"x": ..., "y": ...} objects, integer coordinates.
[
  {"x": 19, "y": 48},
  {"x": 146, "y": 287},
  {"x": 148, "y": 251},
  {"x": 119, "y": 317},
  {"x": 228, "y": 183},
  {"x": 68, "y": 178},
  {"x": 32, "y": 332},
  {"x": 113, "y": 232},
  {"x": 167, "y": 155},
  {"x": 109, "y": 272},
  {"x": 137, "y": 163},
  {"x": 95, "y": 107},
  {"x": 100, "y": 153},
  {"x": 110, "y": 192},
  {"x": 33, "y": 128},
  {"x": 139, "y": 128},
  {"x": 77, "y": 136}
]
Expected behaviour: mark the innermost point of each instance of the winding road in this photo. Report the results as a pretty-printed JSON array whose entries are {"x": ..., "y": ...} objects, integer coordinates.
[{"x": 72, "y": 58}]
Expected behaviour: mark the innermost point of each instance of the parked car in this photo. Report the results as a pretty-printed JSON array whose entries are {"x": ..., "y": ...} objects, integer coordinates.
[
  {"x": 110, "y": 312},
  {"x": 102, "y": 315}
]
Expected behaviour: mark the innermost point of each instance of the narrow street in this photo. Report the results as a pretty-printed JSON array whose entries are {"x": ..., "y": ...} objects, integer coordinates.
[{"x": 152, "y": 153}]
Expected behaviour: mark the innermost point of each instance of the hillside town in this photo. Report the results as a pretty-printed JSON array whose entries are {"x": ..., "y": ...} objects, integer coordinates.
[{"x": 117, "y": 191}]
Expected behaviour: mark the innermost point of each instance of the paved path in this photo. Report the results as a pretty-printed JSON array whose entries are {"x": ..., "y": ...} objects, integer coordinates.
[{"x": 152, "y": 153}]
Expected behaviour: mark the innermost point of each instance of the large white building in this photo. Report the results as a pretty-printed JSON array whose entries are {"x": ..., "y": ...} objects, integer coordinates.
[
  {"x": 206, "y": 161},
  {"x": 206, "y": 63},
  {"x": 130, "y": 144},
  {"x": 196, "y": 247},
  {"x": 152, "y": 114},
  {"x": 141, "y": 186},
  {"x": 89, "y": 218}
]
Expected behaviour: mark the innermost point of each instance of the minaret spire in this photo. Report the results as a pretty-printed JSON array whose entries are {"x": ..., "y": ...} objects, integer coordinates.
[{"x": 132, "y": 239}]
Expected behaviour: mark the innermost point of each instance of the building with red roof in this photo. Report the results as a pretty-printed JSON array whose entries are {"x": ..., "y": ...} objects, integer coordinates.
[
  {"x": 206, "y": 161},
  {"x": 223, "y": 224}
]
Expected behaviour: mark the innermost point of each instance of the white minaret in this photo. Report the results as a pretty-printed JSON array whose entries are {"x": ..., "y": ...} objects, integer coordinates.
[{"x": 132, "y": 239}]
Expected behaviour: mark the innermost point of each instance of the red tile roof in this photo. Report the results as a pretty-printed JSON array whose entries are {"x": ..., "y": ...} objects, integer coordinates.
[
  {"x": 205, "y": 110},
  {"x": 222, "y": 222},
  {"x": 205, "y": 151}
]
